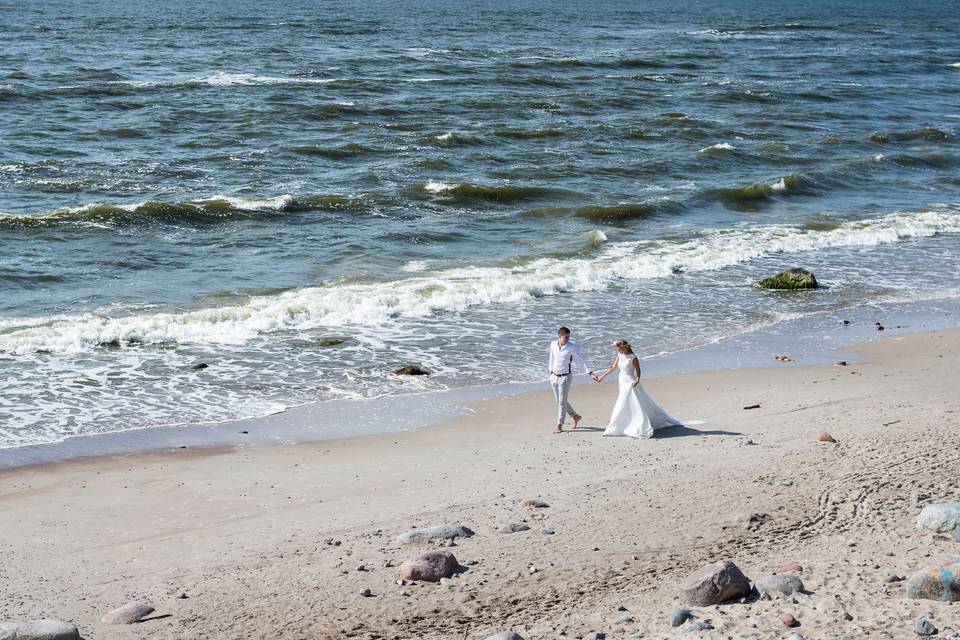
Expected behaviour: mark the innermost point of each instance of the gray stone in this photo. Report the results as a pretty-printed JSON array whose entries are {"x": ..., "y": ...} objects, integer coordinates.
[
  {"x": 715, "y": 583},
  {"x": 595, "y": 635},
  {"x": 128, "y": 613},
  {"x": 779, "y": 584},
  {"x": 923, "y": 627},
  {"x": 438, "y": 532},
  {"x": 750, "y": 518},
  {"x": 39, "y": 630},
  {"x": 514, "y": 527},
  {"x": 796, "y": 636},
  {"x": 956, "y": 535},
  {"x": 699, "y": 625},
  {"x": 680, "y": 616},
  {"x": 506, "y": 635},
  {"x": 547, "y": 531},
  {"x": 940, "y": 518}
]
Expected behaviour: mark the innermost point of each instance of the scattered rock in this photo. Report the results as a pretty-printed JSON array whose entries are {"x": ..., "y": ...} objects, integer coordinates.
[
  {"x": 792, "y": 279},
  {"x": 825, "y": 437},
  {"x": 39, "y": 630},
  {"x": 699, "y": 625},
  {"x": 796, "y": 636},
  {"x": 956, "y": 534},
  {"x": 788, "y": 619},
  {"x": 182, "y": 595},
  {"x": 751, "y": 406},
  {"x": 783, "y": 584},
  {"x": 128, "y": 613},
  {"x": 595, "y": 635},
  {"x": 846, "y": 617},
  {"x": 789, "y": 568},
  {"x": 330, "y": 342},
  {"x": 200, "y": 366},
  {"x": 533, "y": 504},
  {"x": 783, "y": 358},
  {"x": 941, "y": 518},
  {"x": 877, "y": 326},
  {"x": 506, "y": 635},
  {"x": 923, "y": 627},
  {"x": 750, "y": 518},
  {"x": 894, "y": 578},
  {"x": 366, "y": 593},
  {"x": 840, "y": 363},
  {"x": 680, "y": 616},
  {"x": 438, "y": 532},
  {"x": 514, "y": 527},
  {"x": 411, "y": 370},
  {"x": 939, "y": 582},
  {"x": 547, "y": 531},
  {"x": 714, "y": 583},
  {"x": 446, "y": 582},
  {"x": 845, "y": 322},
  {"x": 430, "y": 566}
]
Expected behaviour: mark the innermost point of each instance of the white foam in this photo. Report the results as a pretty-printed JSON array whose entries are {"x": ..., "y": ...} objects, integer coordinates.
[
  {"x": 227, "y": 79},
  {"x": 278, "y": 203},
  {"x": 340, "y": 305},
  {"x": 720, "y": 146},
  {"x": 445, "y": 136},
  {"x": 438, "y": 187},
  {"x": 955, "y": 65},
  {"x": 415, "y": 266}
]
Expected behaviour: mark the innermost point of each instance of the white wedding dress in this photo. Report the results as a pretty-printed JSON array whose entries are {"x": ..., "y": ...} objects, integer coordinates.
[{"x": 635, "y": 415}]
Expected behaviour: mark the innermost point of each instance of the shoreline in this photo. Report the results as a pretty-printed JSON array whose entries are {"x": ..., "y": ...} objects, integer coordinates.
[
  {"x": 266, "y": 542},
  {"x": 811, "y": 339}
]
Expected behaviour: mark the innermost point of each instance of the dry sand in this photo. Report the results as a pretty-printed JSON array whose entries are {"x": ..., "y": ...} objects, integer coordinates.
[{"x": 265, "y": 542}]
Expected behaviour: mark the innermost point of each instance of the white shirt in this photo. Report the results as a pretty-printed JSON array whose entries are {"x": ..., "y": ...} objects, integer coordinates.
[{"x": 562, "y": 358}]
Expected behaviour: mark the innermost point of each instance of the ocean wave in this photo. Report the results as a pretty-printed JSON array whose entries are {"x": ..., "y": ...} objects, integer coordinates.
[
  {"x": 466, "y": 192},
  {"x": 720, "y": 147},
  {"x": 342, "y": 305},
  {"x": 753, "y": 194},
  {"x": 923, "y": 134}
]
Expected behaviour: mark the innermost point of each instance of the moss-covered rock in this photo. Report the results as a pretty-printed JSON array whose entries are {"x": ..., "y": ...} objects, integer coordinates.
[{"x": 790, "y": 279}]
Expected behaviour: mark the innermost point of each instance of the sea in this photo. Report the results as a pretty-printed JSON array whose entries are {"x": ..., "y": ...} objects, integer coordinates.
[{"x": 306, "y": 196}]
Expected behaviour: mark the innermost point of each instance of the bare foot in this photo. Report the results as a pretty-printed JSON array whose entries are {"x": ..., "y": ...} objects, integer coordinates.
[
  {"x": 576, "y": 421},
  {"x": 559, "y": 429}
]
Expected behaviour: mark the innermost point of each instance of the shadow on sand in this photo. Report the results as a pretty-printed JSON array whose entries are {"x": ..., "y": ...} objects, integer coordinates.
[{"x": 680, "y": 431}]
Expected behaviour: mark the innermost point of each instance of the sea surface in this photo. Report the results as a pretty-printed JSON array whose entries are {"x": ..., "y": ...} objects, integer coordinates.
[{"x": 306, "y": 197}]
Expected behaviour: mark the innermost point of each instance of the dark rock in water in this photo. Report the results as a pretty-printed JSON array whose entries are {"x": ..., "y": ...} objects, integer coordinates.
[
  {"x": 39, "y": 630},
  {"x": 923, "y": 627},
  {"x": 411, "y": 370},
  {"x": 942, "y": 517},
  {"x": 878, "y": 326},
  {"x": 779, "y": 584},
  {"x": 939, "y": 582},
  {"x": 430, "y": 566},
  {"x": 438, "y": 532},
  {"x": 200, "y": 366},
  {"x": 792, "y": 279},
  {"x": 128, "y": 613},
  {"x": 699, "y": 625},
  {"x": 330, "y": 342},
  {"x": 680, "y": 616},
  {"x": 715, "y": 583},
  {"x": 506, "y": 635},
  {"x": 514, "y": 527}
]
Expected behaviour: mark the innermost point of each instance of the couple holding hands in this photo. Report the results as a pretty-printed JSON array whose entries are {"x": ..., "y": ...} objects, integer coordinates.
[{"x": 635, "y": 414}]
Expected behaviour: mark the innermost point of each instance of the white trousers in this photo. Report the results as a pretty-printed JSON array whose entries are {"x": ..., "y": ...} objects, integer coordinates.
[{"x": 561, "y": 390}]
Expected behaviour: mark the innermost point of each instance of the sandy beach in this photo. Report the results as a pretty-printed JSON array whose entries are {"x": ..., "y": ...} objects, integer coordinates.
[{"x": 280, "y": 541}]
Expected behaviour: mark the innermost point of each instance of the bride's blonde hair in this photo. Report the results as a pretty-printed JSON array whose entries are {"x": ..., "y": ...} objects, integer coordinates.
[{"x": 624, "y": 344}]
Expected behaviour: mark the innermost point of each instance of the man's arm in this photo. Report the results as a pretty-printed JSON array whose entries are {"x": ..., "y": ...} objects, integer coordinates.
[{"x": 578, "y": 356}]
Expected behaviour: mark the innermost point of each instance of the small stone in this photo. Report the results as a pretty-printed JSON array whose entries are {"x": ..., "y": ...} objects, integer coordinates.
[
  {"x": 44, "y": 629},
  {"x": 878, "y": 326},
  {"x": 438, "y": 532},
  {"x": 182, "y": 595},
  {"x": 782, "y": 584},
  {"x": 514, "y": 527},
  {"x": 750, "y": 518},
  {"x": 825, "y": 437},
  {"x": 840, "y": 363},
  {"x": 366, "y": 593},
  {"x": 894, "y": 578},
  {"x": 789, "y": 568},
  {"x": 446, "y": 582},
  {"x": 387, "y": 564},
  {"x": 361, "y": 567},
  {"x": 622, "y": 608},
  {"x": 846, "y": 617},
  {"x": 595, "y": 635},
  {"x": 200, "y": 366},
  {"x": 923, "y": 627},
  {"x": 956, "y": 534},
  {"x": 788, "y": 619},
  {"x": 796, "y": 636},
  {"x": 533, "y": 504},
  {"x": 506, "y": 635},
  {"x": 699, "y": 625},
  {"x": 547, "y": 531},
  {"x": 128, "y": 613},
  {"x": 411, "y": 370},
  {"x": 430, "y": 566},
  {"x": 680, "y": 616}
]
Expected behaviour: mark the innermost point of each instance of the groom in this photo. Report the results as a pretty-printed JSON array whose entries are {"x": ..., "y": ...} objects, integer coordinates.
[{"x": 563, "y": 354}]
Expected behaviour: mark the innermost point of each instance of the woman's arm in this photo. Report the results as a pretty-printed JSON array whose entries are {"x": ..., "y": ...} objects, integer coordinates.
[
  {"x": 607, "y": 372},
  {"x": 636, "y": 369}
]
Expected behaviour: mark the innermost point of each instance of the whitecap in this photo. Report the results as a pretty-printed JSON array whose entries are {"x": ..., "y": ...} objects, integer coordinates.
[{"x": 720, "y": 146}]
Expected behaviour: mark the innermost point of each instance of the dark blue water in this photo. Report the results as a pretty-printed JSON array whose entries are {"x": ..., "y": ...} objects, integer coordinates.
[{"x": 304, "y": 198}]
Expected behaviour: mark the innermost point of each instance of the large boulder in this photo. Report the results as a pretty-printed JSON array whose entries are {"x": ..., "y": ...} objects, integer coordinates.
[
  {"x": 790, "y": 279},
  {"x": 39, "y": 630},
  {"x": 939, "y": 582},
  {"x": 715, "y": 583},
  {"x": 438, "y": 532},
  {"x": 411, "y": 370},
  {"x": 128, "y": 613},
  {"x": 942, "y": 518},
  {"x": 778, "y": 585},
  {"x": 430, "y": 566}
]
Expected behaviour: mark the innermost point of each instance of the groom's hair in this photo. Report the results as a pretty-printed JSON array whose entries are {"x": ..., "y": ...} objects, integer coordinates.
[{"x": 563, "y": 331}]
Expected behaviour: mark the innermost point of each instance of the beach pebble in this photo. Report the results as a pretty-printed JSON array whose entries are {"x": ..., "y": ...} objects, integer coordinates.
[
  {"x": 506, "y": 635},
  {"x": 533, "y": 504},
  {"x": 796, "y": 636},
  {"x": 680, "y": 616},
  {"x": 699, "y": 625},
  {"x": 939, "y": 582},
  {"x": 923, "y": 627},
  {"x": 446, "y": 582},
  {"x": 128, "y": 613},
  {"x": 438, "y": 532},
  {"x": 789, "y": 568},
  {"x": 825, "y": 437},
  {"x": 547, "y": 531},
  {"x": 39, "y": 630},
  {"x": 366, "y": 593},
  {"x": 941, "y": 518},
  {"x": 956, "y": 534},
  {"x": 894, "y": 578},
  {"x": 714, "y": 583},
  {"x": 595, "y": 635},
  {"x": 430, "y": 566},
  {"x": 749, "y": 518},
  {"x": 513, "y": 527},
  {"x": 783, "y": 584},
  {"x": 846, "y": 617},
  {"x": 788, "y": 619},
  {"x": 840, "y": 363}
]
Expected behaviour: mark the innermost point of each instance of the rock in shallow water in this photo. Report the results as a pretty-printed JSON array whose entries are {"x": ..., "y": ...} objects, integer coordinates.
[
  {"x": 939, "y": 582},
  {"x": 792, "y": 279},
  {"x": 430, "y": 566},
  {"x": 940, "y": 518},
  {"x": 438, "y": 532},
  {"x": 411, "y": 370},
  {"x": 714, "y": 583},
  {"x": 39, "y": 630},
  {"x": 783, "y": 584},
  {"x": 128, "y": 613}
]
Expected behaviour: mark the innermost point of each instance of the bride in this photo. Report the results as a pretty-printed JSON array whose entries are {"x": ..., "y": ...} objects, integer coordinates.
[{"x": 636, "y": 414}]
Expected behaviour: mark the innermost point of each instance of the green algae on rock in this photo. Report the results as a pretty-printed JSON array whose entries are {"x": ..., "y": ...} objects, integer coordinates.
[{"x": 793, "y": 279}]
